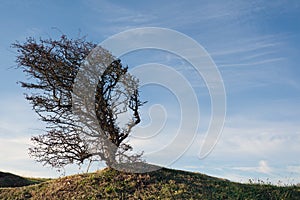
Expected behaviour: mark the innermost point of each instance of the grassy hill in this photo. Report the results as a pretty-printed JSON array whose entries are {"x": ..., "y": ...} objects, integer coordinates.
[
  {"x": 11, "y": 180},
  {"x": 161, "y": 184}
]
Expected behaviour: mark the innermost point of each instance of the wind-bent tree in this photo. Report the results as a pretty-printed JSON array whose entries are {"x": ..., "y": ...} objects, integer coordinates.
[{"x": 81, "y": 91}]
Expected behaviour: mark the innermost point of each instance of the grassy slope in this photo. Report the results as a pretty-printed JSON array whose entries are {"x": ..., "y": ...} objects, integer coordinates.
[
  {"x": 162, "y": 184},
  {"x": 11, "y": 180}
]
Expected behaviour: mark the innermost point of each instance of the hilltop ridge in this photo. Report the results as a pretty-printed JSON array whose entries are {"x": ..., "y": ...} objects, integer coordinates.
[{"x": 162, "y": 184}]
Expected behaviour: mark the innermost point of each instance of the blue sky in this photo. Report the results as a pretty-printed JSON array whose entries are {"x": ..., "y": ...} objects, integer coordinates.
[{"x": 255, "y": 45}]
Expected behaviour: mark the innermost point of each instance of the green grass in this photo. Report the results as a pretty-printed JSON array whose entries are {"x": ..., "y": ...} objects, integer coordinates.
[{"x": 161, "y": 184}]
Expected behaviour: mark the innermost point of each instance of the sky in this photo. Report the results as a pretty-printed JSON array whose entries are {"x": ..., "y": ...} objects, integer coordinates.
[{"x": 255, "y": 46}]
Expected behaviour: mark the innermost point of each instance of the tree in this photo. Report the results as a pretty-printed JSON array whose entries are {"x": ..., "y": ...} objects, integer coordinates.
[{"x": 82, "y": 124}]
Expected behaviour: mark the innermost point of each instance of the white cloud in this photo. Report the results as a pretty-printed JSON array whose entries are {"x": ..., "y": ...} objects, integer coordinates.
[
  {"x": 13, "y": 149},
  {"x": 262, "y": 167},
  {"x": 118, "y": 17},
  {"x": 294, "y": 169},
  {"x": 266, "y": 61},
  {"x": 277, "y": 141},
  {"x": 191, "y": 167}
]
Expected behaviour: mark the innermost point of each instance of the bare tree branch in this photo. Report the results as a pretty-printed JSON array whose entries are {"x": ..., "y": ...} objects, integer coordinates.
[{"x": 51, "y": 67}]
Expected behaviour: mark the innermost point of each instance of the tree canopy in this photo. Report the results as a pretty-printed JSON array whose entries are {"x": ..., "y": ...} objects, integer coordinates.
[{"x": 81, "y": 91}]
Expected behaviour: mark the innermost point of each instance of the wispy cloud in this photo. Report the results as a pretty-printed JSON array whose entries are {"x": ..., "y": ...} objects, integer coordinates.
[
  {"x": 118, "y": 17},
  {"x": 256, "y": 50},
  {"x": 263, "y": 167},
  {"x": 294, "y": 169},
  {"x": 262, "y": 62}
]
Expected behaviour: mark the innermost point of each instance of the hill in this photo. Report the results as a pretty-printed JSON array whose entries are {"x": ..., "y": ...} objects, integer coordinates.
[
  {"x": 161, "y": 184},
  {"x": 11, "y": 180}
]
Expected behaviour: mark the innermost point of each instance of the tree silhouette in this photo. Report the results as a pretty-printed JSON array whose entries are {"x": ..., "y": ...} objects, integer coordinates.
[{"x": 81, "y": 91}]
